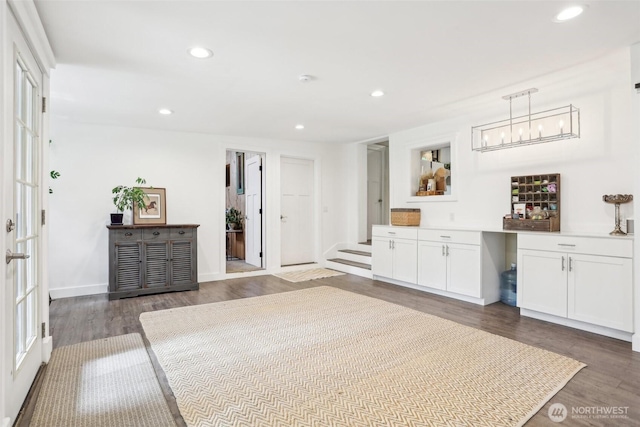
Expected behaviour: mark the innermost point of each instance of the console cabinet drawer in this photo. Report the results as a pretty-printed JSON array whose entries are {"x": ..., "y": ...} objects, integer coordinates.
[
  {"x": 605, "y": 246},
  {"x": 395, "y": 232},
  {"x": 127, "y": 235},
  {"x": 451, "y": 236}
]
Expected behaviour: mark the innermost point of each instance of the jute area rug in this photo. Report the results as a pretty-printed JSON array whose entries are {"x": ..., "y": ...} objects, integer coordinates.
[
  {"x": 102, "y": 383},
  {"x": 304, "y": 275},
  {"x": 327, "y": 357}
]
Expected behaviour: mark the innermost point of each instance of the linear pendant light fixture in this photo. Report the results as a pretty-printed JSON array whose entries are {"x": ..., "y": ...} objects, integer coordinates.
[{"x": 528, "y": 129}]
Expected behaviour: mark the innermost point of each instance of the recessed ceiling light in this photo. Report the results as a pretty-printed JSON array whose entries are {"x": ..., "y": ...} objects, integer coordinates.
[
  {"x": 299, "y": 127},
  {"x": 165, "y": 111},
  {"x": 377, "y": 93},
  {"x": 569, "y": 13},
  {"x": 200, "y": 52}
]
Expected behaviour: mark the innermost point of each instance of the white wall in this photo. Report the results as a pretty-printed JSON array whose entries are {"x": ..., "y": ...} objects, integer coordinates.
[
  {"x": 600, "y": 162},
  {"x": 93, "y": 159}
]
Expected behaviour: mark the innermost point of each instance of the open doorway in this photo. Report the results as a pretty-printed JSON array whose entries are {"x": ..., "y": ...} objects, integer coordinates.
[
  {"x": 244, "y": 225},
  {"x": 377, "y": 185}
]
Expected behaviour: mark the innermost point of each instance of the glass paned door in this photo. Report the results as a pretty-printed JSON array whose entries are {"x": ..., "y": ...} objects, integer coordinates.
[{"x": 26, "y": 177}]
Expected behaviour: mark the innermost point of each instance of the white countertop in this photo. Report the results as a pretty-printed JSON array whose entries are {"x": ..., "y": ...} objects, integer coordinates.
[{"x": 500, "y": 230}]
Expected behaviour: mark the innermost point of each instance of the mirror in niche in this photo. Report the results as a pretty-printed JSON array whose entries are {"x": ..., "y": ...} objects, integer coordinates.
[{"x": 434, "y": 173}]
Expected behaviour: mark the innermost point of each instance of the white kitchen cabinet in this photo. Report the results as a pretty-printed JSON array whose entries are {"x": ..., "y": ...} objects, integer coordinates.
[
  {"x": 464, "y": 270},
  {"x": 394, "y": 253},
  {"x": 432, "y": 265},
  {"x": 577, "y": 278},
  {"x": 542, "y": 281},
  {"x": 450, "y": 266},
  {"x": 381, "y": 257},
  {"x": 600, "y": 291},
  {"x": 458, "y": 263}
]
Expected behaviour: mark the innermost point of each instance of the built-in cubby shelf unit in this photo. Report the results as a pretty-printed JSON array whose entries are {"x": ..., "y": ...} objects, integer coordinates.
[{"x": 533, "y": 191}]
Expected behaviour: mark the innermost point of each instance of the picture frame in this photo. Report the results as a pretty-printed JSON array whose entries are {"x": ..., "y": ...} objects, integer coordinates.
[{"x": 156, "y": 212}]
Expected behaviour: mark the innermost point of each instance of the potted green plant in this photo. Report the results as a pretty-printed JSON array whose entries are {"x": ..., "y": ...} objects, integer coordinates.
[
  {"x": 124, "y": 198},
  {"x": 234, "y": 219}
]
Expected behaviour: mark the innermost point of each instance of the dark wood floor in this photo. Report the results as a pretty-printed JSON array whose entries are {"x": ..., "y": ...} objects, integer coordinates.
[{"x": 611, "y": 379}]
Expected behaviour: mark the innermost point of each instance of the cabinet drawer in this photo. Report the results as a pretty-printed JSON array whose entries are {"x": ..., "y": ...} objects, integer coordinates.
[
  {"x": 397, "y": 232},
  {"x": 127, "y": 235},
  {"x": 606, "y": 246},
  {"x": 155, "y": 234},
  {"x": 452, "y": 236},
  {"x": 181, "y": 233}
]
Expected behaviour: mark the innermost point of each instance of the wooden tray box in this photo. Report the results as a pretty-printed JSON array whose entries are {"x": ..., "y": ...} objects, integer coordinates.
[{"x": 551, "y": 224}]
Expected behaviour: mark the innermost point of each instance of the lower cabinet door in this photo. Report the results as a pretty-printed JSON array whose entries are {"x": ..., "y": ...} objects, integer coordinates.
[
  {"x": 156, "y": 271},
  {"x": 126, "y": 268},
  {"x": 542, "y": 281},
  {"x": 432, "y": 265},
  {"x": 600, "y": 291},
  {"x": 381, "y": 257},
  {"x": 405, "y": 256},
  {"x": 464, "y": 275},
  {"x": 182, "y": 271}
]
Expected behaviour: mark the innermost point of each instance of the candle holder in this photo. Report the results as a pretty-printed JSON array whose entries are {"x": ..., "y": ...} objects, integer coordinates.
[{"x": 617, "y": 199}]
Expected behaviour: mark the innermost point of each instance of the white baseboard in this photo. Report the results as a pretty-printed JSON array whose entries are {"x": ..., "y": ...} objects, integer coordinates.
[
  {"x": 78, "y": 291},
  {"x": 6, "y": 422},
  {"x": 473, "y": 300},
  {"x": 576, "y": 324},
  {"x": 47, "y": 348},
  {"x": 210, "y": 277}
]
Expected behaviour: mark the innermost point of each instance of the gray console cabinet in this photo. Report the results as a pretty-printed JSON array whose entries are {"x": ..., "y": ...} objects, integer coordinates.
[{"x": 149, "y": 259}]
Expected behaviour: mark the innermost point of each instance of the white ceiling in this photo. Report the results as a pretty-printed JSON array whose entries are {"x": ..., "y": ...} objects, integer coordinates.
[{"x": 119, "y": 61}]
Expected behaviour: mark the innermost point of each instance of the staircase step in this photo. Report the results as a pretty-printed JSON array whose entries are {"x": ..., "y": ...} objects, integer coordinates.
[
  {"x": 354, "y": 252},
  {"x": 351, "y": 263}
]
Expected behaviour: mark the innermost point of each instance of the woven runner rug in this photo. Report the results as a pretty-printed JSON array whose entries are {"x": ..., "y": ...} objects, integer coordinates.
[
  {"x": 304, "y": 275},
  {"x": 103, "y": 383},
  {"x": 327, "y": 357}
]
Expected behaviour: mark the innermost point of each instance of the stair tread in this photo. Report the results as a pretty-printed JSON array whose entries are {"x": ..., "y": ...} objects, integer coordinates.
[
  {"x": 354, "y": 252},
  {"x": 351, "y": 263},
  {"x": 368, "y": 243}
]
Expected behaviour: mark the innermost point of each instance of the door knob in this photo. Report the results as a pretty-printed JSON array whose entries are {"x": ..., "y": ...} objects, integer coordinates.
[
  {"x": 11, "y": 256},
  {"x": 10, "y": 225},
  {"x": 282, "y": 216}
]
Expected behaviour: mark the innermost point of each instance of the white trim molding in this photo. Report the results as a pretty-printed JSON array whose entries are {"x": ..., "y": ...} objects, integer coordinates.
[
  {"x": 78, "y": 291},
  {"x": 29, "y": 20}
]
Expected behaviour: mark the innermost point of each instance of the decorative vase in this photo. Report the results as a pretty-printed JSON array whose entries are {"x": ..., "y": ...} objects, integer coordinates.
[{"x": 617, "y": 199}]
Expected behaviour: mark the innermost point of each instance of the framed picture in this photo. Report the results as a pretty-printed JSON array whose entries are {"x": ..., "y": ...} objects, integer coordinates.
[{"x": 156, "y": 210}]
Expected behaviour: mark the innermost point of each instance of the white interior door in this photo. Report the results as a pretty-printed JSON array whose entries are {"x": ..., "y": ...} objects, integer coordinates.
[
  {"x": 297, "y": 232},
  {"x": 374, "y": 188},
  {"x": 253, "y": 218},
  {"x": 21, "y": 181}
]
